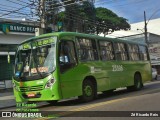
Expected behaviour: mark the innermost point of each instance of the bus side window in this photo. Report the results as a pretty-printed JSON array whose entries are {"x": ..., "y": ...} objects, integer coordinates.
[
  {"x": 87, "y": 50},
  {"x": 133, "y": 52},
  {"x": 67, "y": 57},
  {"x": 106, "y": 50},
  {"x": 121, "y": 51},
  {"x": 143, "y": 52}
]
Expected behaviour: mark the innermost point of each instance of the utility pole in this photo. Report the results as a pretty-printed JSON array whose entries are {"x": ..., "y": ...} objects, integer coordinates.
[
  {"x": 42, "y": 16},
  {"x": 145, "y": 28}
]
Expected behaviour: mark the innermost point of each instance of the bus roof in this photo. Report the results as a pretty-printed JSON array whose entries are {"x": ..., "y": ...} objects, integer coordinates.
[{"x": 61, "y": 34}]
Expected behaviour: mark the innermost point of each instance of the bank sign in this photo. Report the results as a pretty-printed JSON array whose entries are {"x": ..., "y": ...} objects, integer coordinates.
[{"x": 16, "y": 28}]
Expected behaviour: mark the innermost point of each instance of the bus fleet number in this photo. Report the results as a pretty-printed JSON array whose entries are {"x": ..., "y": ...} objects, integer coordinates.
[{"x": 117, "y": 68}]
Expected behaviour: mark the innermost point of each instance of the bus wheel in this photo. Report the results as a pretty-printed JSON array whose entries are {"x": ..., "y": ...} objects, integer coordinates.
[
  {"x": 88, "y": 90},
  {"x": 137, "y": 83}
]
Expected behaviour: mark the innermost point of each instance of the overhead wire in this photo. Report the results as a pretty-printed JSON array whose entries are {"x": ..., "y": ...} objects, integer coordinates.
[
  {"x": 13, "y": 11},
  {"x": 15, "y": 2},
  {"x": 11, "y": 8},
  {"x": 23, "y": 2},
  {"x": 99, "y": 24},
  {"x": 67, "y": 4},
  {"x": 7, "y": 6},
  {"x": 134, "y": 2},
  {"x": 60, "y": 2},
  {"x": 18, "y": 9},
  {"x": 89, "y": 21}
]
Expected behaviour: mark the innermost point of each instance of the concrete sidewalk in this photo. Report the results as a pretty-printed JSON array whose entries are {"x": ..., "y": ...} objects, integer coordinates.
[{"x": 6, "y": 98}]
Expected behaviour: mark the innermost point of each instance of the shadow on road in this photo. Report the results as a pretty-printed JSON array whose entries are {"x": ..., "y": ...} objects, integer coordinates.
[{"x": 149, "y": 88}]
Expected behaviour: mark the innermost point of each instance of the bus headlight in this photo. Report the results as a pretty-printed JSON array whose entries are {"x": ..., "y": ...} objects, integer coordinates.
[{"x": 50, "y": 83}]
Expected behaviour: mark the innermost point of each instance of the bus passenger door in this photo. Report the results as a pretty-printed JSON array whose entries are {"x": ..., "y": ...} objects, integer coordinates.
[{"x": 68, "y": 69}]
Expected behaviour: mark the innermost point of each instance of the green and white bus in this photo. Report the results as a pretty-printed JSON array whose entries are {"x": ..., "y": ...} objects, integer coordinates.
[{"x": 61, "y": 65}]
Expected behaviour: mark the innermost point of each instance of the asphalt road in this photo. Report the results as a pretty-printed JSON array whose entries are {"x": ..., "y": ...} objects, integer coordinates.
[{"x": 122, "y": 104}]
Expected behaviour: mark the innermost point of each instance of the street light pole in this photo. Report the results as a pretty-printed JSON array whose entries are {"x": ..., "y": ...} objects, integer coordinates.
[
  {"x": 145, "y": 28},
  {"x": 146, "y": 23}
]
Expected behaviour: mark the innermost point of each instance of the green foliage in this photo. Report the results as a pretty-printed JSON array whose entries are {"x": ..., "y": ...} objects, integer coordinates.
[
  {"x": 104, "y": 13},
  {"x": 84, "y": 17},
  {"x": 110, "y": 20},
  {"x": 76, "y": 15}
]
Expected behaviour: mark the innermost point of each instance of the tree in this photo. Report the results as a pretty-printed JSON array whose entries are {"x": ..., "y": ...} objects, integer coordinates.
[
  {"x": 70, "y": 11},
  {"x": 88, "y": 19},
  {"x": 109, "y": 21},
  {"x": 82, "y": 16},
  {"x": 76, "y": 15},
  {"x": 89, "y": 16}
]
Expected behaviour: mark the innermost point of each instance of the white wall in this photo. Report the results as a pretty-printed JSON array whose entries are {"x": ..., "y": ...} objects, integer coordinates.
[{"x": 13, "y": 38}]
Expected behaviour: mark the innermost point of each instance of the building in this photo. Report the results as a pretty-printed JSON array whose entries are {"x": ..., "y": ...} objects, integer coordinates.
[
  {"x": 153, "y": 41},
  {"x": 11, "y": 34}
]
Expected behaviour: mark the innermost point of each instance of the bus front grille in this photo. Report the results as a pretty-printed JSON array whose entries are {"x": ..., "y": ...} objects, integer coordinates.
[{"x": 31, "y": 88}]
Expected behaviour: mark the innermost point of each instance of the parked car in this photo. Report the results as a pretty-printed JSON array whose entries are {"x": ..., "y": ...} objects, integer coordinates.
[{"x": 154, "y": 74}]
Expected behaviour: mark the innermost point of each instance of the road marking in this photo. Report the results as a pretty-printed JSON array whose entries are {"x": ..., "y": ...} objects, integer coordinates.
[{"x": 86, "y": 107}]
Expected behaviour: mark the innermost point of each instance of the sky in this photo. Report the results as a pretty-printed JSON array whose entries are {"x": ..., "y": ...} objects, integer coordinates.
[
  {"x": 15, "y": 9},
  {"x": 132, "y": 10}
]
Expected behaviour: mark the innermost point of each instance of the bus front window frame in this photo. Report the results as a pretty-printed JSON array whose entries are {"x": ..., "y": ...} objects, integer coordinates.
[{"x": 27, "y": 53}]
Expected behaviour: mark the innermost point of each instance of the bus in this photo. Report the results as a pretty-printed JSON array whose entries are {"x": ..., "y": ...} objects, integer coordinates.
[{"x": 61, "y": 65}]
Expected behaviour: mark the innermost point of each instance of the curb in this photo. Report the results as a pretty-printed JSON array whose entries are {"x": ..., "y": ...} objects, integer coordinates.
[{"x": 7, "y": 107}]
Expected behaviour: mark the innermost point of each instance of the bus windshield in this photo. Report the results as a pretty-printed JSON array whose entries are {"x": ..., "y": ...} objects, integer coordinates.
[{"x": 35, "y": 58}]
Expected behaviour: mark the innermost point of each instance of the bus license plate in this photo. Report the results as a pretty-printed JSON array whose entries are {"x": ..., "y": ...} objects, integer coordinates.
[{"x": 31, "y": 95}]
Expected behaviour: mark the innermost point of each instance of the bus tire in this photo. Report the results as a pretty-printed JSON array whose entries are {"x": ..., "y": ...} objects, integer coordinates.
[
  {"x": 88, "y": 91},
  {"x": 137, "y": 83}
]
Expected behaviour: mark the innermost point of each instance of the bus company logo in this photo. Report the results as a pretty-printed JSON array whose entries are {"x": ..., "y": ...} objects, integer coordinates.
[{"x": 6, "y": 114}]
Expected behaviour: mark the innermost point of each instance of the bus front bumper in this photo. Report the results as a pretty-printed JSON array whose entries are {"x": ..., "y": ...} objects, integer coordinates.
[{"x": 43, "y": 95}]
